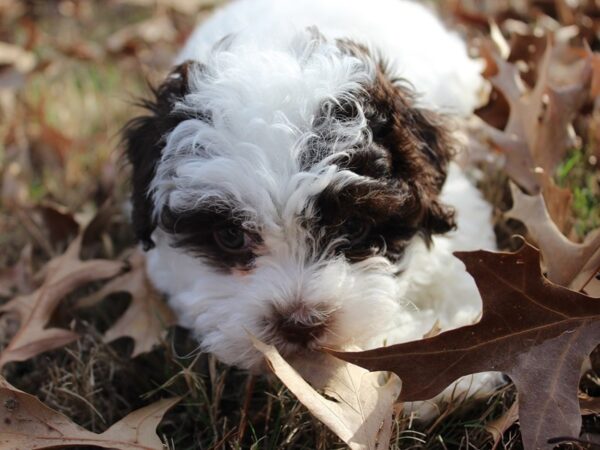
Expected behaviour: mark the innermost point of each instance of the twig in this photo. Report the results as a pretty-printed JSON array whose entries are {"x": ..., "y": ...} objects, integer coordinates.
[{"x": 250, "y": 383}]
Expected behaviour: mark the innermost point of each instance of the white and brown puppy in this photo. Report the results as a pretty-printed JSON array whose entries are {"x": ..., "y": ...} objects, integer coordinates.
[{"x": 293, "y": 178}]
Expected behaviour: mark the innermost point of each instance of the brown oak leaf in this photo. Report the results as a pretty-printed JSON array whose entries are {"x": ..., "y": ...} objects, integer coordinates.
[
  {"x": 567, "y": 263},
  {"x": 535, "y": 331},
  {"x": 27, "y": 424},
  {"x": 538, "y": 133},
  {"x": 147, "y": 316},
  {"x": 63, "y": 274},
  {"x": 539, "y": 130}
]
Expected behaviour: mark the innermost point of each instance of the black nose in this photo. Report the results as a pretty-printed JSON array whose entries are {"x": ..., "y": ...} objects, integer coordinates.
[
  {"x": 300, "y": 324},
  {"x": 300, "y": 332}
]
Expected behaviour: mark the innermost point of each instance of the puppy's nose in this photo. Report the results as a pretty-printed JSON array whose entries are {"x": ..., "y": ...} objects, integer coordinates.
[
  {"x": 299, "y": 332},
  {"x": 300, "y": 325}
]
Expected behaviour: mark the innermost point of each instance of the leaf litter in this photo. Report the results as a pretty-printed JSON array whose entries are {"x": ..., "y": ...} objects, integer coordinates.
[
  {"x": 27, "y": 424},
  {"x": 546, "y": 116},
  {"x": 536, "y": 332},
  {"x": 360, "y": 405}
]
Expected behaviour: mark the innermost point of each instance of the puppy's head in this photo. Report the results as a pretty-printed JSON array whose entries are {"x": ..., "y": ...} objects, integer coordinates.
[{"x": 278, "y": 192}]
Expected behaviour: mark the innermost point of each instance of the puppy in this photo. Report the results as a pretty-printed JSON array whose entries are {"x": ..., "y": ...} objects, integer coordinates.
[{"x": 294, "y": 178}]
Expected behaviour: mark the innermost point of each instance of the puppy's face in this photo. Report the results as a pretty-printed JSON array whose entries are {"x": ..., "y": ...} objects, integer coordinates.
[{"x": 279, "y": 191}]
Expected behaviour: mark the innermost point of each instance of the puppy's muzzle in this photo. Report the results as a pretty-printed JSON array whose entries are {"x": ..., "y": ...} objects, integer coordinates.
[{"x": 300, "y": 324}]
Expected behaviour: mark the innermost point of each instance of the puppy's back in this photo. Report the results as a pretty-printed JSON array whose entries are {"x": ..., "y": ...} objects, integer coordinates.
[{"x": 406, "y": 34}]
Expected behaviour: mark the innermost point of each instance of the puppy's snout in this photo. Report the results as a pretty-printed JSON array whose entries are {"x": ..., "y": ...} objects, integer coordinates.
[{"x": 301, "y": 324}]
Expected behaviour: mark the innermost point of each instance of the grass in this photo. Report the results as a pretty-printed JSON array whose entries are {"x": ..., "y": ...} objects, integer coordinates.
[{"x": 579, "y": 174}]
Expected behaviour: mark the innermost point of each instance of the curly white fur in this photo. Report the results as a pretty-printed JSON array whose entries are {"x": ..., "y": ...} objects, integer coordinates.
[{"x": 265, "y": 71}]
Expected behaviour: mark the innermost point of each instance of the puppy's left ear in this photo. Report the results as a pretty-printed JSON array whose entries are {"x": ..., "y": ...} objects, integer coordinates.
[
  {"x": 143, "y": 139},
  {"x": 420, "y": 146},
  {"x": 433, "y": 149}
]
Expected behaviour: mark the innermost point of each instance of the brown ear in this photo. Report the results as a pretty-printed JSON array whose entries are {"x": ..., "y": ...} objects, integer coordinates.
[
  {"x": 438, "y": 219},
  {"x": 420, "y": 145},
  {"x": 143, "y": 139},
  {"x": 436, "y": 149}
]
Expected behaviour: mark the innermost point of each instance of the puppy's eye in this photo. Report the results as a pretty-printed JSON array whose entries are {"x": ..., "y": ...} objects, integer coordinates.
[
  {"x": 355, "y": 229},
  {"x": 231, "y": 239}
]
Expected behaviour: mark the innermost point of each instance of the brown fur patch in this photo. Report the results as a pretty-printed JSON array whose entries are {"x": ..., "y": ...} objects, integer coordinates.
[
  {"x": 420, "y": 146},
  {"x": 407, "y": 158},
  {"x": 194, "y": 230},
  {"x": 392, "y": 214},
  {"x": 143, "y": 141}
]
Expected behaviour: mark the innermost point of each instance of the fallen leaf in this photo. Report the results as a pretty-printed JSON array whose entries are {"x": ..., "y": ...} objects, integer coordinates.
[
  {"x": 14, "y": 189},
  {"x": 187, "y": 7},
  {"x": 27, "y": 424},
  {"x": 593, "y": 287},
  {"x": 82, "y": 50},
  {"x": 15, "y": 62},
  {"x": 99, "y": 224},
  {"x": 63, "y": 274},
  {"x": 535, "y": 331},
  {"x": 146, "y": 318},
  {"x": 362, "y": 409},
  {"x": 435, "y": 330},
  {"x": 19, "y": 277},
  {"x": 558, "y": 203},
  {"x": 538, "y": 132},
  {"x": 528, "y": 48},
  {"x": 567, "y": 263},
  {"x": 595, "y": 85},
  {"x": 498, "y": 427},
  {"x": 589, "y": 405},
  {"x": 59, "y": 223},
  {"x": 155, "y": 29}
]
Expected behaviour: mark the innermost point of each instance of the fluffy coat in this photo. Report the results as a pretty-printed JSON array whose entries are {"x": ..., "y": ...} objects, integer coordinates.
[{"x": 288, "y": 120}]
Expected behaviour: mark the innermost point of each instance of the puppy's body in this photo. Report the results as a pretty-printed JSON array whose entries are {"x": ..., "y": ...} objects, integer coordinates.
[
  {"x": 418, "y": 48},
  {"x": 308, "y": 133}
]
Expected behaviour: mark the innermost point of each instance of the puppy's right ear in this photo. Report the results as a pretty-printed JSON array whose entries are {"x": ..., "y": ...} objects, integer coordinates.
[{"x": 143, "y": 139}]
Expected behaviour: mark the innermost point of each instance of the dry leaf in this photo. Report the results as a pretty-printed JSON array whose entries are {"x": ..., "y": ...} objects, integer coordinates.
[
  {"x": 538, "y": 132},
  {"x": 63, "y": 274},
  {"x": 27, "y": 424},
  {"x": 158, "y": 28},
  {"x": 499, "y": 426},
  {"x": 181, "y": 6},
  {"x": 589, "y": 405},
  {"x": 18, "y": 278},
  {"x": 361, "y": 414},
  {"x": 567, "y": 263},
  {"x": 595, "y": 87},
  {"x": 14, "y": 188},
  {"x": 435, "y": 330},
  {"x": 15, "y": 62},
  {"x": 146, "y": 318},
  {"x": 531, "y": 329},
  {"x": 558, "y": 203},
  {"x": 526, "y": 47},
  {"x": 58, "y": 221}
]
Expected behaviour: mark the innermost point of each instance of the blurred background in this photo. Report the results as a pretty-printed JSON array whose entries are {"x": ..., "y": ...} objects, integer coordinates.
[{"x": 70, "y": 73}]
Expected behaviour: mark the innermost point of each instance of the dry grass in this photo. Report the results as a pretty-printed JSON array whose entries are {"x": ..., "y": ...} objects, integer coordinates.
[{"x": 59, "y": 142}]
